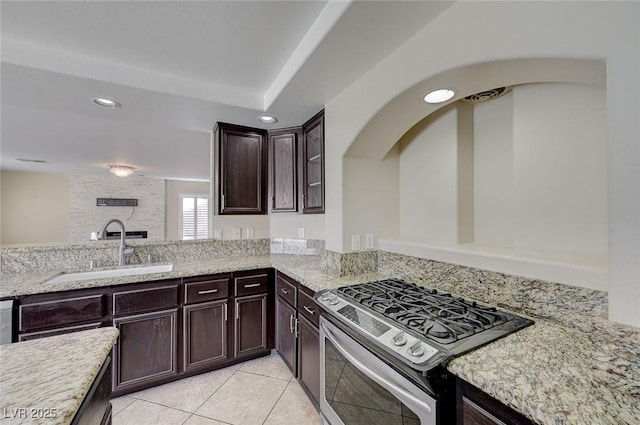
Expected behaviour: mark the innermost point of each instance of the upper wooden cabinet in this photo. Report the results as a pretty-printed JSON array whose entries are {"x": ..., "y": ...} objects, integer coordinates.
[
  {"x": 241, "y": 169},
  {"x": 283, "y": 169},
  {"x": 313, "y": 165}
]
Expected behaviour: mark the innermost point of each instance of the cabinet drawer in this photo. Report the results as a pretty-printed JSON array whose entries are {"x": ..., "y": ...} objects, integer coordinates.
[
  {"x": 60, "y": 312},
  {"x": 250, "y": 285},
  {"x": 286, "y": 290},
  {"x": 145, "y": 299},
  {"x": 207, "y": 290},
  {"x": 307, "y": 307},
  {"x": 57, "y": 331}
]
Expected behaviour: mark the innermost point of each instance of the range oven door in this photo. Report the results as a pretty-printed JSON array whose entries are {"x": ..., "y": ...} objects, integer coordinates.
[{"x": 358, "y": 388}]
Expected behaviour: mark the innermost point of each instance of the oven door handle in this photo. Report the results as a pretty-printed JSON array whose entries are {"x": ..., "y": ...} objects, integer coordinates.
[{"x": 388, "y": 385}]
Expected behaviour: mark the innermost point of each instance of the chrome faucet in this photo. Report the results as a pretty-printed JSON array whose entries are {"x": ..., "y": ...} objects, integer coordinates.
[{"x": 122, "y": 253}]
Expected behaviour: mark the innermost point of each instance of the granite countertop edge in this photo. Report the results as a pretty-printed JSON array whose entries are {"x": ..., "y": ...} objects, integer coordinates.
[{"x": 50, "y": 387}]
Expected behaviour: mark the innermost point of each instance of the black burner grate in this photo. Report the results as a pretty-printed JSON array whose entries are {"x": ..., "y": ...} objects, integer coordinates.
[{"x": 438, "y": 316}]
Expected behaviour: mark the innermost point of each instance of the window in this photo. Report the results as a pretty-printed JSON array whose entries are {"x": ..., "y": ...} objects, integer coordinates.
[{"x": 194, "y": 216}]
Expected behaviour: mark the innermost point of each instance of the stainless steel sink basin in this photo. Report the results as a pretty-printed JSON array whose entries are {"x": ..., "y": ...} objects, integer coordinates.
[{"x": 115, "y": 272}]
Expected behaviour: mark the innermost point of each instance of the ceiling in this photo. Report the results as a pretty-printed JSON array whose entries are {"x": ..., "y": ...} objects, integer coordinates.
[{"x": 177, "y": 67}]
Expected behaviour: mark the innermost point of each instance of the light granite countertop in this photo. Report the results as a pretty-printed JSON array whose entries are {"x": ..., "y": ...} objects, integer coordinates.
[
  {"x": 304, "y": 268},
  {"x": 553, "y": 374},
  {"x": 51, "y": 376}
]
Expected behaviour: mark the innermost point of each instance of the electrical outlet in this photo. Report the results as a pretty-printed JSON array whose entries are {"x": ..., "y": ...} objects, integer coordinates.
[
  {"x": 236, "y": 232},
  {"x": 250, "y": 233},
  {"x": 301, "y": 232},
  {"x": 368, "y": 241},
  {"x": 355, "y": 242},
  {"x": 217, "y": 234}
]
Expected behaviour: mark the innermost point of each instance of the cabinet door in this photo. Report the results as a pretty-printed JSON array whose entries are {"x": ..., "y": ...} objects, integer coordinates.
[
  {"x": 313, "y": 165},
  {"x": 283, "y": 175},
  {"x": 146, "y": 351},
  {"x": 205, "y": 334},
  {"x": 242, "y": 170},
  {"x": 309, "y": 358},
  {"x": 475, "y": 407},
  {"x": 285, "y": 333},
  {"x": 251, "y": 325}
]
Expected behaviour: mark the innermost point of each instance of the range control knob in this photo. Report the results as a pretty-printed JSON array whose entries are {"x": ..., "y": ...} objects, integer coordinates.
[
  {"x": 400, "y": 338},
  {"x": 325, "y": 296},
  {"x": 416, "y": 349},
  {"x": 333, "y": 299}
]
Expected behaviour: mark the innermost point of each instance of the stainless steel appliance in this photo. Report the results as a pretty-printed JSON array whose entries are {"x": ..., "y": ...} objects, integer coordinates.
[{"x": 384, "y": 347}]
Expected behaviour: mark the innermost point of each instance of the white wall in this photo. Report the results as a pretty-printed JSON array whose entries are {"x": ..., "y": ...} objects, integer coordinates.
[
  {"x": 560, "y": 168},
  {"x": 85, "y": 217},
  {"x": 35, "y": 208},
  {"x": 428, "y": 180},
  {"x": 493, "y": 172},
  {"x": 286, "y": 225},
  {"x": 173, "y": 189},
  {"x": 605, "y": 31}
]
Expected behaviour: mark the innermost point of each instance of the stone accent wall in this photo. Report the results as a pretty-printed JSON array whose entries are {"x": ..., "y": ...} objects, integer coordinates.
[{"x": 85, "y": 217}]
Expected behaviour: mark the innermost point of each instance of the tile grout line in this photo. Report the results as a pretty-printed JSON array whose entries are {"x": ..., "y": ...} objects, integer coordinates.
[
  {"x": 217, "y": 389},
  {"x": 274, "y": 404}
]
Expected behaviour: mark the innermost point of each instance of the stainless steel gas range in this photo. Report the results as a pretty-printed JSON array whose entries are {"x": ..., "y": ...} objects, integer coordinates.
[{"x": 384, "y": 346}]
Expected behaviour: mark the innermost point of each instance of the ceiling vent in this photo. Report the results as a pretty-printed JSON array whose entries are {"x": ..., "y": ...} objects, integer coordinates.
[{"x": 487, "y": 95}]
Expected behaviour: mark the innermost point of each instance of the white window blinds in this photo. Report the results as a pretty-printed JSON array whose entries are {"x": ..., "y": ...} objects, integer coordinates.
[{"x": 194, "y": 216}]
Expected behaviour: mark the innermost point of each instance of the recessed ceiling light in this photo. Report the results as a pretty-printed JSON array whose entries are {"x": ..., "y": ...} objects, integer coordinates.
[
  {"x": 267, "y": 119},
  {"x": 439, "y": 95},
  {"x": 107, "y": 103}
]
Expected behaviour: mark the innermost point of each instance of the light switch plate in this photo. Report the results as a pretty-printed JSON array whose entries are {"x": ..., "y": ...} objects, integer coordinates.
[
  {"x": 355, "y": 242},
  {"x": 217, "y": 234},
  {"x": 250, "y": 233},
  {"x": 301, "y": 232},
  {"x": 368, "y": 241},
  {"x": 236, "y": 232}
]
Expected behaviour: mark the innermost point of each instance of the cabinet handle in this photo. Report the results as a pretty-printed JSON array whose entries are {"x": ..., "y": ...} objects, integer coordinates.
[
  {"x": 291, "y": 323},
  {"x": 284, "y": 291},
  {"x": 251, "y": 285},
  {"x": 222, "y": 201},
  {"x": 296, "y": 327},
  {"x": 309, "y": 310},
  {"x": 224, "y": 309},
  {"x": 237, "y": 311},
  {"x": 208, "y": 291}
]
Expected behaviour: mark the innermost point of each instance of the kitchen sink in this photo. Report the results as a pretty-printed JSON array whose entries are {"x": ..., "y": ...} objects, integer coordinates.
[{"x": 112, "y": 272}]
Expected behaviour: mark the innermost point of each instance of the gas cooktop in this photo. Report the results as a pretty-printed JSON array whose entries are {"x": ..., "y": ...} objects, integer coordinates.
[{"x": 421, "y": 326}]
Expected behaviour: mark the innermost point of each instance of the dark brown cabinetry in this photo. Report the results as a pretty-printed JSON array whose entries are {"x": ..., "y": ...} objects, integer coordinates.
[
  {"x": 147, "y": 350},
  {"x": 169, "y": 328},
  {"x": 283, "y": 170},
  {"x": 205, "y": 334},
  {"x": 285, "y": 333},
  {"x": 297, "y": 336},
  {"x": 241, "y": 169},
  {"x": 205, "y": 322},
  {"x": 474, "y": 407},
  {"x": 253, "y": 320},
  {"x": 45, "y": 315},
  {"x": 96, "y": 408},
  {"x": 313, "y": 165}
]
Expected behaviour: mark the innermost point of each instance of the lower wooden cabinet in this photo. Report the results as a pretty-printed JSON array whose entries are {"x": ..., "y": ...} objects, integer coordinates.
[
  {"x": 204, "y": 334},
  {"x": 96, "y": 408},
  {"x": 251, "y": 325},
  {"x": 309, "y": 357},
  {"x": 297, "y": 335},
  {"x": 147, "y": 349},
  {"x": 285, "y": 334},
  {"x": 475, "y": 407}
]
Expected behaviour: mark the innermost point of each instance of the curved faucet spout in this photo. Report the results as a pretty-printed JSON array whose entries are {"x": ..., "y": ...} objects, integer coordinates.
[{"x": 103, "y": 235}]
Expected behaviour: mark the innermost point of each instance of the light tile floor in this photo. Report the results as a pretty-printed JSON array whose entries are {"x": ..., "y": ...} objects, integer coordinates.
[{"x": 260, "y": 391}]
